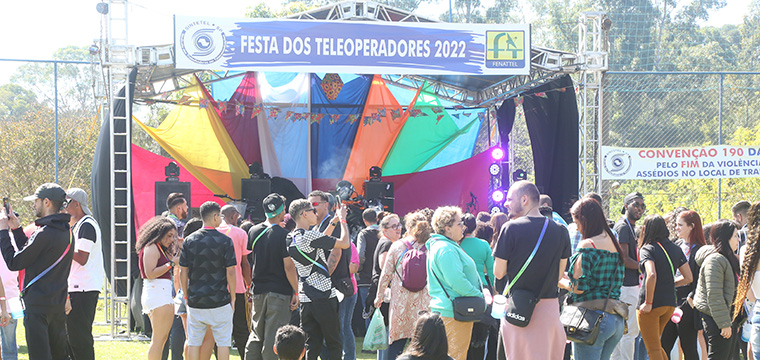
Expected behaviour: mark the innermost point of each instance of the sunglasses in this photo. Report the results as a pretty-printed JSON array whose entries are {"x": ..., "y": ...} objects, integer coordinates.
[{"x": 395, "y": 226}]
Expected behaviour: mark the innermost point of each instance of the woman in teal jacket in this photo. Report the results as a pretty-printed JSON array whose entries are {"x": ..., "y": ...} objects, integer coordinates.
[{"x": 451, "y": 270}]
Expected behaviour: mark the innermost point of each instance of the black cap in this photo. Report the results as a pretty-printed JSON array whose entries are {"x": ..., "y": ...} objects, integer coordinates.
[
  {"x": 273, "y": 205},
  {"x": 630, "y": 198},
  {"x": 50, "y": 191}
]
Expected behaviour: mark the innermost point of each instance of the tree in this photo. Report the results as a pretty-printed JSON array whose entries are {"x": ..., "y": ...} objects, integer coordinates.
[{"x": 16, "y": 102}]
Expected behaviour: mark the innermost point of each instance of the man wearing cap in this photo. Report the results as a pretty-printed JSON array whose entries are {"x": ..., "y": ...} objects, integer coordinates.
[
  {"x": 46, "y": 258},
  {"x": 86, "y": 276},
  {"x": 275, "y": 281},
  {"x": 230, "y": 217},
  {"x": 633, "y": 209}
]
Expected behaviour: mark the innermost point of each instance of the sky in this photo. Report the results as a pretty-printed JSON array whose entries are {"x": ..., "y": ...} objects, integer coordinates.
[{"x": 48, "y": 25}]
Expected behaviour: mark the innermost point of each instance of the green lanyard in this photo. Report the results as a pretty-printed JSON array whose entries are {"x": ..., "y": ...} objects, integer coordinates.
[{"x": 668, "y": 256}]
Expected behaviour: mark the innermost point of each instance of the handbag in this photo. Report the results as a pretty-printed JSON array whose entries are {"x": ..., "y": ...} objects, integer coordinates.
[
  {"x": 521, "y": 301},
  {"x": 466, "y": 308},
  {"x": 582, "y": 324}
]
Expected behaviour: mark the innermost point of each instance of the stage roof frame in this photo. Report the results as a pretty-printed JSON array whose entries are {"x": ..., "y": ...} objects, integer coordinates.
[{"x": 157, "y": 73}]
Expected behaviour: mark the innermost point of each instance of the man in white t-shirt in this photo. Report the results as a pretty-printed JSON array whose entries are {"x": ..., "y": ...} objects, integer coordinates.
[{"x": 86, "y": 276}]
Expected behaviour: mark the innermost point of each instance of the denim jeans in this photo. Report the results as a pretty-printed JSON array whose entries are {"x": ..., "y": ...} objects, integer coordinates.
[
  {"x": 610, "y": 332},
  {"x": 754, "y": 338},
  {"x": 346, "y": 313},
  {"x": 8, "y": 341}
]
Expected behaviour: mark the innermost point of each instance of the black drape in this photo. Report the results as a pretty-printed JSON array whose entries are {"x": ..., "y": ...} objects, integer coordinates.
[
  {"x": 505, "y": 118},
  {"x": 100, "y": 184},
  {"x": 553, "y": 128}
]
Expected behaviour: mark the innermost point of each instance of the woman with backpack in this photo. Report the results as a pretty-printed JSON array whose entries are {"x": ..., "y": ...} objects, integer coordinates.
[
  {"x": 659, "y": 259},
  {"x": 451, "y": 274},
  {"x": 480, "y": 251},
  {"x": 405, "y": 273},
  {"x": 716, "y": 288}
]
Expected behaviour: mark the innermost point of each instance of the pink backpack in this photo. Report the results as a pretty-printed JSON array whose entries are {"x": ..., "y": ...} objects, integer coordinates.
[{"x": 413, "y": 268}]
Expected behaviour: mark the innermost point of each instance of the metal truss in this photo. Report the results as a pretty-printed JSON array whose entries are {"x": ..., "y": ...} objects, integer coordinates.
[{"x": 359, "y": 10}]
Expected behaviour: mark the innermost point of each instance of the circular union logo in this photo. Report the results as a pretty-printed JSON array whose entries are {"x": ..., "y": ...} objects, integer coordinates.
[
  {"x": 617, "y": 163},
  {"x": 203, "y": 42}
]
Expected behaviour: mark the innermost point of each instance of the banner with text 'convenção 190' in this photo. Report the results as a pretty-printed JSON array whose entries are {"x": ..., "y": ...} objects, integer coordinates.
[
  {"x": 708, "y": 162},
  {"x": 351, "y": 46}
]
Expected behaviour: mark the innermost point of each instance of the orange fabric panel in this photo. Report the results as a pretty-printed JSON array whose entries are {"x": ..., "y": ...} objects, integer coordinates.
[{"x": 374, "y": 141}]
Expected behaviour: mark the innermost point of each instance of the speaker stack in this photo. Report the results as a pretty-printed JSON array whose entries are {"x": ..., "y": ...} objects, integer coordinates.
[
  {"x": 379, "y": 192},
  {"x": 254, "y": 191}
]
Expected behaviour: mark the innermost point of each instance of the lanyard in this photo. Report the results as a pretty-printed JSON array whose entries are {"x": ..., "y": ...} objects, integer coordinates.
[
  {"x": 630, "y": 227},
  {"x": 322, "y": 222},
  {"x": 689, "y": 251}
]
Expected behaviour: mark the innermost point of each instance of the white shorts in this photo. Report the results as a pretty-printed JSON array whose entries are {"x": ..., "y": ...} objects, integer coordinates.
[
  {"x": 219, "y": 319},
  {"x": 156, "y": 293}
]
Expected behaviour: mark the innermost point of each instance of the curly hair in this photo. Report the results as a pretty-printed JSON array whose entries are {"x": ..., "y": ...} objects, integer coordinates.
[
  {"x": 751, "y": 257},
  {"x": 419, "y": 227},
  {"x": 153, "y": 231},
  {"x": 444, "y": 216}
]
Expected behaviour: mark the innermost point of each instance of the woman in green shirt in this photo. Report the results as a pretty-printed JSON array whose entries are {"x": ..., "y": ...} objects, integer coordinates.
[{"x": 595, "y": 277}]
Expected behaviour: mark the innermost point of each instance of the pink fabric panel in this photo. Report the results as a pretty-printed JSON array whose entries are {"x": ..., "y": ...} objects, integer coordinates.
[
  {"x": 449, "y": 185},
  {"x": 147, "y": 168}
]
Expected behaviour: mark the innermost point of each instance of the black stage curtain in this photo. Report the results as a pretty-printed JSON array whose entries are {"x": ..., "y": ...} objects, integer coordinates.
[
  {"x": 553, "y": 128},
  {"x": 100, "y": 182},
  {"x": 505, "y": 118}
]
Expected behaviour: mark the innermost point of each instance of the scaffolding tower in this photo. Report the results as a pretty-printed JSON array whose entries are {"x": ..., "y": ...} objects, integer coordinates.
[
  {"x": 593, "y": 54},
  {"x": 118, "y": 61}
]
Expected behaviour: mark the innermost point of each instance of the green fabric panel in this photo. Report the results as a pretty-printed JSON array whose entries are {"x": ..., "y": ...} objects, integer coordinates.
[{"x": 422, "y": 137}]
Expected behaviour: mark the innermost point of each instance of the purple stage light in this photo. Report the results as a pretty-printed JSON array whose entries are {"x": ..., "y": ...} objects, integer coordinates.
[
  {"x": 497, "y": 154},
  {"x": 497, "y": 196}
]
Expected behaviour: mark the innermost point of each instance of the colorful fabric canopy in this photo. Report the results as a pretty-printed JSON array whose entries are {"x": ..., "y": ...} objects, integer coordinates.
[{"x": 317, "y": 130}]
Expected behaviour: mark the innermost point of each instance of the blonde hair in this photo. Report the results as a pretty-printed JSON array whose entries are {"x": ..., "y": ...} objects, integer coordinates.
[
  {"x": 444, "y": 216},
  {"x": 418, "y": 226}
]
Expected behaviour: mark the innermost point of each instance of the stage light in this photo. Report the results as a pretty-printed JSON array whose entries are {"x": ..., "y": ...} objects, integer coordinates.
[
  {"x": 495, "y": 210},
  {"x": 494, "y": 169},
  {"x": 497, "y": 196},
  {"x": 519, "y": 174},
  {"x": 102, "y": 8},
  {"x": 497, "y": 154},
  {"x": 345, "y": 189},
  {"x": 256, "y": 170},
  {"x": 94, "y": 49},
  {"x": 171, "y": 172},
  {"x": 375, "y": 173}
]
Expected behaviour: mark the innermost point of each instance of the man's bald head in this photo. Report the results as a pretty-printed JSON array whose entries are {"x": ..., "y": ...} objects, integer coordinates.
[{"x": 526, "y": 188}]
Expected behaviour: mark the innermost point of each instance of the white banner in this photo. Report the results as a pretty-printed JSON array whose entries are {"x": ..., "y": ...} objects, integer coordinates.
[
  {"x": 709, "y": 162},
  {"x": 360, "y": 47}
]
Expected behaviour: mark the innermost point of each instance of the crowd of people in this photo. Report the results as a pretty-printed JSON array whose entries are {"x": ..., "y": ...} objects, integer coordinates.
[{"x": 292, "y": 286}]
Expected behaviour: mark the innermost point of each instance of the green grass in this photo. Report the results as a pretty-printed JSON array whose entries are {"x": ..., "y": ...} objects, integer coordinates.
[{"x": 130, "y": 349}]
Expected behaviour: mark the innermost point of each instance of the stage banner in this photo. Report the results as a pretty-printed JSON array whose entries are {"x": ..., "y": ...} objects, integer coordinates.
[
  {"x": 351, "y": 46},
  {"x": 708, "y": 162}
]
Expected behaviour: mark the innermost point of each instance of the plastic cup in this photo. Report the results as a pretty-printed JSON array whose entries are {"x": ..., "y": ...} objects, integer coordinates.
[
  {"x": 15, "y": 308},
  {"x": 676, "y": 317},
  {"x": 499, "y": 308}
]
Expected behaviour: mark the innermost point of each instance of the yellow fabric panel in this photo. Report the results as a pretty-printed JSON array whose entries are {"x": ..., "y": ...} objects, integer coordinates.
[{"x": 198, "y": 140}]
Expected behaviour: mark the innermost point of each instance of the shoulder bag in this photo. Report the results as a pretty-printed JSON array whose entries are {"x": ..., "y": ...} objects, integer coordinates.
[
  {"x": 581, "y": 323},
  {"x": 521, "y": 302},
  {"x": 466, "y": 308}
]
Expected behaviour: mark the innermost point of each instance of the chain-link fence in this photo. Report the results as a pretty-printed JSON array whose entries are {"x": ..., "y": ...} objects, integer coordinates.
[{"x": 681, "y": 109}]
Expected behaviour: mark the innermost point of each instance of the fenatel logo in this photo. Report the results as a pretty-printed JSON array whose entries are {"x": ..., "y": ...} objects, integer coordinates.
[
  {"x": 505, "y": 49},
  {"x": 203, "y": 42},
  {"x": 617, "y": 163},
  {"x": 517, "y": 317}
]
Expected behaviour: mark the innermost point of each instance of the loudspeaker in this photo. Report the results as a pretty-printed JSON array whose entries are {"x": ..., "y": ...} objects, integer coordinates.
[
  {"x": 253, "y": 192},
  {"x": 164, "y": 188},
  {"x": 380, "y": 190}
]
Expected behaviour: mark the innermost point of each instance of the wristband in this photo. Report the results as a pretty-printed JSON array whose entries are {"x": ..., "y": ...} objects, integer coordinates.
[
  {"x": 333, "y": 223},
  {"x": 2, "y": 298},
  {"x": 344, "y": 221},
  {"x": 647, "y": 302}
]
